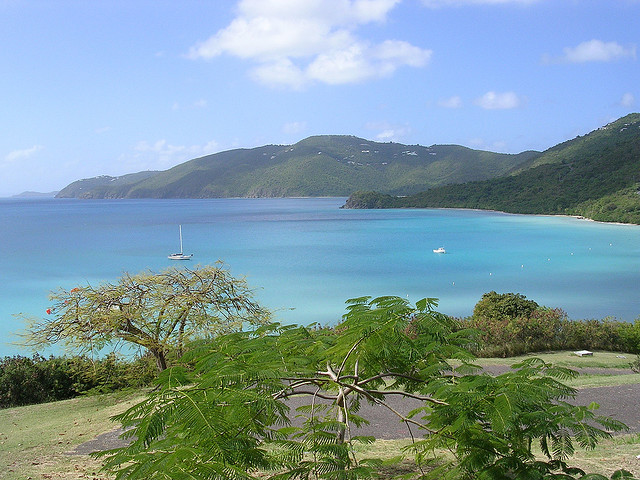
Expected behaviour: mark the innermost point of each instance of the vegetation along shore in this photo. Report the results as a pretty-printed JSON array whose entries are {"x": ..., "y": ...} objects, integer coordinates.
[
  {"x": 595, "y": 177},
  {"x": 237, "y": 395}
]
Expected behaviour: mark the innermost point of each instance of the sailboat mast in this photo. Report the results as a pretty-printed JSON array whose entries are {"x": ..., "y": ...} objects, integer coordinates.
[{"x": 181, "y": 240}]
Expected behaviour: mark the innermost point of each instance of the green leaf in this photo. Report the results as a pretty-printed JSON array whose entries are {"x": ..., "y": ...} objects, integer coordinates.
[{"x": 622, "y": 475}]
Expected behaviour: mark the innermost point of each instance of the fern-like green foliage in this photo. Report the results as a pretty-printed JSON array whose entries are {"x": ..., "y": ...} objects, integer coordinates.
[
  {"x": 224, "y": 413},
  {"x": 491, "y": 423}
]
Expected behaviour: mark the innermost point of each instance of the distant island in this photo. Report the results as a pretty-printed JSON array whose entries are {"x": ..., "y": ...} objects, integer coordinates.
[
  {"x": 29, "y": 194},
  {"x": 596, "y": 175}
]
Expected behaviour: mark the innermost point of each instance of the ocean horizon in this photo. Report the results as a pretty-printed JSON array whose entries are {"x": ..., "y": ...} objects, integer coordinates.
[{"x": 306, "y": 256}]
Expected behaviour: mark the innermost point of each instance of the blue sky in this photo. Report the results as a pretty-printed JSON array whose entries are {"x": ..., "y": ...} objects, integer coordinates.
[{"x": 119, "y": 86}]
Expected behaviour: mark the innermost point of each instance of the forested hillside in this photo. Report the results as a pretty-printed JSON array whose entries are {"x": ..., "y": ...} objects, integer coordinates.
[
  {"x": 596, "y": 176},
  {"x": 327, "y": 165}
]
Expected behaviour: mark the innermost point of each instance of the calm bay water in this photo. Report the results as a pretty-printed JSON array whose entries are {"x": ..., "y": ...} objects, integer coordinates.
[{"x": 305, "y": 257}]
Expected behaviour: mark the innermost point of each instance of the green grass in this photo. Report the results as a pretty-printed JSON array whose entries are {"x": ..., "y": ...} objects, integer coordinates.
[
  {"x": 610, "y": 455},
  {"x": 600, "y": 360},
  {"x": 35, "y": 440},
  {"x": 569, "y": 359},
  {"x": 591, "y": 381}
]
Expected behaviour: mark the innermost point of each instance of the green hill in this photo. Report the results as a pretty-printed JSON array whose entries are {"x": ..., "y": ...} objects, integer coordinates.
[
  {"x": 596, "y": 176},
  {"x": 103, "y": 186},
  {"x": 326, "y": 165}
]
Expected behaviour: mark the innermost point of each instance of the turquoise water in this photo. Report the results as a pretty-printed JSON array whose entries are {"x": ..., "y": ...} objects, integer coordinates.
[{"x": 305, "y": 257}]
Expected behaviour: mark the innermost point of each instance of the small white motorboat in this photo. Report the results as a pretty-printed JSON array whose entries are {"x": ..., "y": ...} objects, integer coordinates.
[{"x": 439, "y": 250}]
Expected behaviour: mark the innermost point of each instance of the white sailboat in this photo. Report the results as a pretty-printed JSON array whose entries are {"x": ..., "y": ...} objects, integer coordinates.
[{"x": 180, "y": 256}]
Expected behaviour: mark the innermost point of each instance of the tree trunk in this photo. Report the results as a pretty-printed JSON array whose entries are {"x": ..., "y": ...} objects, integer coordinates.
[{"x": 161, "y": 360}]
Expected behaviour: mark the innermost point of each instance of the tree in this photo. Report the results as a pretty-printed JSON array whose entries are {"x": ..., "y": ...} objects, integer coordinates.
[
  {"x": 160, "y": 312},
  {"x": 228, "y": 417},
  {"x": 503, "y": 306}
]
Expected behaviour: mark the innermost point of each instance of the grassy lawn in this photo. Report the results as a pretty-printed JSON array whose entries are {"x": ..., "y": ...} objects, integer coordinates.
[
  {"x": 35, "y": 440},
  {"x": 610, "y": 455},
  {"x": 613, "y": 361},
  {"x": 569, "y": 359}
]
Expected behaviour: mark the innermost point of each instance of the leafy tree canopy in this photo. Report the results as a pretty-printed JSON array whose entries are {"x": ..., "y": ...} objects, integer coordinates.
[
  {"x": 501, "y": 306},
  {"x": 158, "y": 311},
  {"x": 228, "y": 417}
]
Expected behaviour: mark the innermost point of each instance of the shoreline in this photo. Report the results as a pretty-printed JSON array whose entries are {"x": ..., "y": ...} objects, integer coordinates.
[
  {"x": 577, "y": 217},
  {"x": 551, "y": 215}
]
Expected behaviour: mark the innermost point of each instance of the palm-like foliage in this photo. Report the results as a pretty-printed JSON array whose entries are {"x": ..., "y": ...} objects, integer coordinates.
[
  {"x": 227, "y": 415},
  {"x": 491, "y": 423}
]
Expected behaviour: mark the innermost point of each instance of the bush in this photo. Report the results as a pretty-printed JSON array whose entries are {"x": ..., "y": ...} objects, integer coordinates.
[
  {"x": 630, "y": 336},
  {"x": 593, "y": 335},
  {"x": 503, "y": 306},
  {"x": 19, "y": 382},
  {"x": 25, "y": 380},
  {"x": 511, "y": 325}
]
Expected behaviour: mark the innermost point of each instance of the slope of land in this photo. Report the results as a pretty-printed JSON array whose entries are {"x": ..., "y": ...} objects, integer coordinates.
[
  {"x": 103, "y": 186},
  {"x": 596, "y": 176},
  {"x": 325, "y": 165}
]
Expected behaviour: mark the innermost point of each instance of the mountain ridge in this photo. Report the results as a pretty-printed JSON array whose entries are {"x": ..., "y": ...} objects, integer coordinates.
[
  {"x": 596, "y": 176},
  {"x": 320, "y": 165}
]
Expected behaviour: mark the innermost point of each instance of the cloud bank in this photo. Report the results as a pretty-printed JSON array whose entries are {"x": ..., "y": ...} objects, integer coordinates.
[
  {"x": 22, "y": 154},
  {"x": 460, "y": 3},
  {"x": 499, "y": 101},
  {"x": 598, "y": 51},
  {"x": 160, "y": 155},
  {"x": 451, "y": 102},
  {"x": 593, "y": 51},
  {"x": 296, "y": 43},
  {"x": 628, "y": 100}
]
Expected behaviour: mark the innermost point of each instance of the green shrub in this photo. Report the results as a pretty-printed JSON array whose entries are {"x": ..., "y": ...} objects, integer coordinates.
[
  {"x": 630, "y": 336},
  {"x": 593, "y": 335},
  {"x": 503, "y": 306},
  {"x": 25, "y": 380},
  {"x": 511, "y": 325},
  {"x": 19, "y": 382}
]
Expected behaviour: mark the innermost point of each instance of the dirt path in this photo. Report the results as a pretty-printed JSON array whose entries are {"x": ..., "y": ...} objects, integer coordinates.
[{"x": 619, "y": 402}]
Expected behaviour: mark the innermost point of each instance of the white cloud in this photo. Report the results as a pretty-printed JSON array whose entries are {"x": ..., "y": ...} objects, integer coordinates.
[
  {"x": 389, "y": 133},
  {"x": 628, "y": 100},
  {"x": 398, "y": 52},
  {"x": 499, "y": 101},
  {"x": 481, "y": 144},
  {"x": 282, "y": 72},
  {"x": 161, "y": 155},
  {"x": 597, "y": 51},
  {"x": 294, "y": 43},
  {"x": 294, "y": 127},
  {"x": 22, "y": 154},
  {"x": 460, "y": 3},
  {"x": 452, "y": 102},
  {"x": 341, "y": 66}
]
